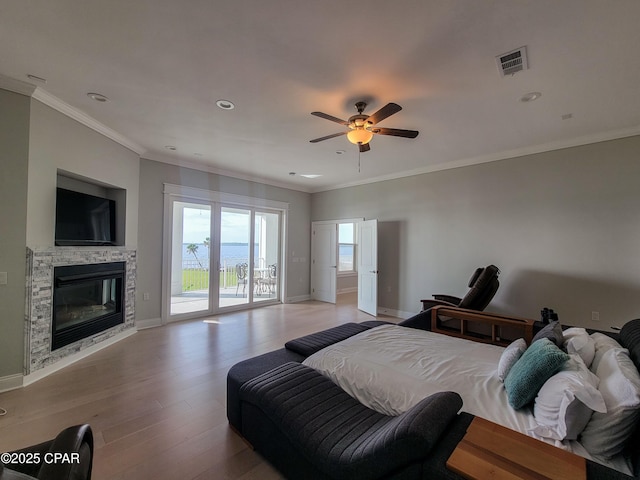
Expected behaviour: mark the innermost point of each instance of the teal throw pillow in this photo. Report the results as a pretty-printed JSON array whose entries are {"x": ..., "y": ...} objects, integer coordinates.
[{"x": 538, "y": 363}]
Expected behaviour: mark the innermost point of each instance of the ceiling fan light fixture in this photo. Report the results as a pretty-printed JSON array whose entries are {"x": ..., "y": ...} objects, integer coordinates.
[{"x": 359, "y": 136}]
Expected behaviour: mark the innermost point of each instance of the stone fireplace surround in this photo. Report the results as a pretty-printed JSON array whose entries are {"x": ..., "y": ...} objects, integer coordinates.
[{"x": 39, "y": 299}]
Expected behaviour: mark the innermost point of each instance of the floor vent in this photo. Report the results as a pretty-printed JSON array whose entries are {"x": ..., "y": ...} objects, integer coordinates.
[{"x": 512, "y": 62}]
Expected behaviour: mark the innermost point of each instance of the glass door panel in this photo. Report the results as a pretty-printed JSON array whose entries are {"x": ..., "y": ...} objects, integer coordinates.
[
  {"x": 266, "y": 267},
  {"x": 190, "y": 259},
  {"x": 236, "y": 278}
]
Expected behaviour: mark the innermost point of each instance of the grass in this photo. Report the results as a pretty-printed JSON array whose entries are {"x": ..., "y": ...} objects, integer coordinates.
[{"x": 198, "y": 279}]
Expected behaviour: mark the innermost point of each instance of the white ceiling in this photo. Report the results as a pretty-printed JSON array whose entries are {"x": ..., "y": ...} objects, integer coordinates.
[{"x": 164, "y": 63}]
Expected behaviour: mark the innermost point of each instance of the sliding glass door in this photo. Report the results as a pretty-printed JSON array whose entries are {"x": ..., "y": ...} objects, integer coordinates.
[
  {"x": 221, "y": 257},
  {"x": 190, "y": 258},
  {"x": 266, "y": 268},
  {"x": 235, "y": 257}
]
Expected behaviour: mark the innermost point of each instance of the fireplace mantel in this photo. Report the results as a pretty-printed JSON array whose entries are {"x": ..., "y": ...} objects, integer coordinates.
[{"x": 38, "y": 315}]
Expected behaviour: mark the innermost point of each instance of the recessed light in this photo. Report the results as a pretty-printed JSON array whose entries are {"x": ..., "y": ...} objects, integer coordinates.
[
  {"x": 170, "y": 147},
  {"x": 310, "y": 175},
  {"x": 292, "y": 173},
  {"x": 530, "y": 97},
  {"x": 98, "y": 97},
  {"x": 340, "y": 152},
  {"x": 197, "y": 154},
  {"x": 567, "y": 116},
  {"x": 225, "y": 104}
]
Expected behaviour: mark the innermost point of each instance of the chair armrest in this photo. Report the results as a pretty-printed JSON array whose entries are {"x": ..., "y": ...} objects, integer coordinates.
[
  {"x": 429, "y": 303},
  {"x": 448, "y": 298},
  {"x": 496, "y": 321},
  {"x": 73, "y": 440}
]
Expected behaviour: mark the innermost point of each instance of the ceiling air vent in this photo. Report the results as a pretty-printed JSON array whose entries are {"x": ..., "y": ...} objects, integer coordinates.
[{"x": 512, "y": 62}]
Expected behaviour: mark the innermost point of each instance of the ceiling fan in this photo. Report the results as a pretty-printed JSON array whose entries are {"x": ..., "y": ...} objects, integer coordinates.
[{"x": 362, "y": 127}]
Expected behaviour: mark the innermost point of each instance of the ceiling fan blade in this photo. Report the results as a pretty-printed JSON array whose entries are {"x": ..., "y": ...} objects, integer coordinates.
[
  {"x": 316, "y": 140},
  {"x": 386, "y": 111},
  {"x": 330, "y": 117},
  {"x": 364, "y": 147},
  {"x": 396, "y": 132}
]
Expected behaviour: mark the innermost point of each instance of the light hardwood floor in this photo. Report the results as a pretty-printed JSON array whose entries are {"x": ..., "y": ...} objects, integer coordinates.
[{"x": 156, "y": 400}]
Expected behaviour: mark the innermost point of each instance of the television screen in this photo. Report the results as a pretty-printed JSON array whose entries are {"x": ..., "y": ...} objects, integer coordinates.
[{"x": 83, "y": 219}]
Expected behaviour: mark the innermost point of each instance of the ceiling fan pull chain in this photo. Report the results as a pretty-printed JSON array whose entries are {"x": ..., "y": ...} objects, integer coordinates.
[{"x": 358, "y": 161}]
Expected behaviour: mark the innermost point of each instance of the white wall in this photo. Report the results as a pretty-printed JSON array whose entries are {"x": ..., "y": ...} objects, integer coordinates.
[
  {"x": 59, "y": 142},
  {"x": 14, "y": 151},
  {"x": 152, "y": 177},
  {"x": 563, "y": 227}
]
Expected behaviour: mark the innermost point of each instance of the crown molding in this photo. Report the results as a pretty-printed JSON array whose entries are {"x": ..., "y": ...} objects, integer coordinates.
[
  {"x": 203, "y": 167},
  {"x": 494, "y": 157},
  {"x": 79, "y": 116},
  {"x": 16, "y": 86}
]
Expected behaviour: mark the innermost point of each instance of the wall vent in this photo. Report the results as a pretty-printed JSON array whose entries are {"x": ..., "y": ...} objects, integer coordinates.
[{"x": 512, "y": 62}]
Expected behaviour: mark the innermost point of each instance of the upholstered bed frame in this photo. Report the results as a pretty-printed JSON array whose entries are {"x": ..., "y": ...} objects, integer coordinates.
[{"x": 308, "y": 427}]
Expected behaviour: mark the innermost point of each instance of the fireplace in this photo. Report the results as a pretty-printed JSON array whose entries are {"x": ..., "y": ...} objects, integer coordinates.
[{"x": 87, "y": 299}]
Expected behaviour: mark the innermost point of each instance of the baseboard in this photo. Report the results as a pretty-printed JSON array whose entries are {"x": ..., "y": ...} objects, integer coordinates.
[
  {"x": 148, "y": 323},
  {"x": 299, "y": 298},
  {"x": 395, "y": 313},
  {"x": 11, "y": 382},
  {"x": 65, "y": 362}
]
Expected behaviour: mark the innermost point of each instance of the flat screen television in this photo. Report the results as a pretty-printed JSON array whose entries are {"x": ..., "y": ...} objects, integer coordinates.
[{"x": 83, "y": 219}]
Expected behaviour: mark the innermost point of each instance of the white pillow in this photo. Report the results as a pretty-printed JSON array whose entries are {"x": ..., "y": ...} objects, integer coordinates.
[
  {"x": 577, "y": 340},
  {"x": 510, "y": 356},
  {"x": 566, "y": 401},
  {"x": 606, "y": 433},
  {"x": 603, "y": 344}
]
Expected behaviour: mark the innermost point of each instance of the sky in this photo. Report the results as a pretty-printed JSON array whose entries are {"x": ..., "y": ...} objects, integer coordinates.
[{"x": 235, "y": 226}]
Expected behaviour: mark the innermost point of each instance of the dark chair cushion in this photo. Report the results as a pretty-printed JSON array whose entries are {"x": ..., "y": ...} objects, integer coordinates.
[
  {"x": 248, "y": 369},
  {"x": 336, "y": 433},
  {"x": 310, "y": 344}
]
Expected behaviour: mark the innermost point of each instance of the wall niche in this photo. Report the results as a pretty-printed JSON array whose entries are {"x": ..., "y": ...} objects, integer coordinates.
[{"x": 77, "y": 183}]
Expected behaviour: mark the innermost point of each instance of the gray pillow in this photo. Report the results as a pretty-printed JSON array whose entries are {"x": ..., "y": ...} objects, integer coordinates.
[{"x": 553, "y": 332}]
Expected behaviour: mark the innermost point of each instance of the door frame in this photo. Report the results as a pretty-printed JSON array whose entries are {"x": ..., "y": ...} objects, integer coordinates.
[
  {"x": 313, "y": 253},
  {"x": 173, "y": 192}
]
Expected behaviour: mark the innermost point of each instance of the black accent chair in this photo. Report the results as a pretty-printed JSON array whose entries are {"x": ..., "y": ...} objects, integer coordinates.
[
  {"x": 483, "y": 285},
  {"x": 76, "y": 443}
]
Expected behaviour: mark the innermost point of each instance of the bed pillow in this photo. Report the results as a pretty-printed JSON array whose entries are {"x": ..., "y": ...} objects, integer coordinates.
[
  {"x": 536, "y": 365},
  {"x": 552, "y": 331},
  {"x": 577, "y": 340},
  {"x": 510, "y": 356},
  {"x": 566, "y": 401},
  {"x": 602, "y": 344},
  {"x": 606, "y": 433}
]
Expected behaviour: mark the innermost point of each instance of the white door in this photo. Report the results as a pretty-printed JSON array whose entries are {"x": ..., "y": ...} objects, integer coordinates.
[
  {"x": 324, "y": 262},
  {"x": 368, "y": 266}
]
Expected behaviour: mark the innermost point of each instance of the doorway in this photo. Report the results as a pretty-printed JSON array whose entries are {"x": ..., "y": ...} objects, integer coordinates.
[
  {"x": 220, "y": 255},
  {"x": 344, "y": 260}
]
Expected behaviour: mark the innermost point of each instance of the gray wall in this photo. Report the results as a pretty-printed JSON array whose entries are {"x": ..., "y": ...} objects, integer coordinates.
[
  {"x": 563, "y": 226},
  {"x": 152, "y": 177},
  {"x": 14, "y": 152},
  {"x": 57, "y": 142}
]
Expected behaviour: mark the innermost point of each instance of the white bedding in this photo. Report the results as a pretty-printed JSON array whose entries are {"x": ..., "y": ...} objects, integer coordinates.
[{"x": 391, "y": 368}]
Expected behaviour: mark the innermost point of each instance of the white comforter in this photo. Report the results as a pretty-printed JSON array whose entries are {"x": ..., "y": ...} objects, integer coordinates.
[{"x": 391, "y": 368}]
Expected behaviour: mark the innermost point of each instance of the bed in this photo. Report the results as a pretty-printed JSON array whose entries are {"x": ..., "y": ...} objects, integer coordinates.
[{"x": 390, "y": 369}]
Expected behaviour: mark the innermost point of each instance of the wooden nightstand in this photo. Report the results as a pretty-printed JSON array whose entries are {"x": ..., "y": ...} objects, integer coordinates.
[{"x": 491, "y": 451}]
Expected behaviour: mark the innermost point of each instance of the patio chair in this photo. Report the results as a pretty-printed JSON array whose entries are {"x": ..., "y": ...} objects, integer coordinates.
[{"x": 241, "y": 277}]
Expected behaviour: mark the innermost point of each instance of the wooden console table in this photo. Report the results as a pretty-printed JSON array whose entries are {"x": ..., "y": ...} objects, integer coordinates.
[
  {"x": 491, "y": 451},
  {"x": 493, "y": 328}
]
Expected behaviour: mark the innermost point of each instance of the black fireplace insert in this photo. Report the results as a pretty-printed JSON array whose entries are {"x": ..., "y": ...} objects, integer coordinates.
[{"x": 87, "y": 299}]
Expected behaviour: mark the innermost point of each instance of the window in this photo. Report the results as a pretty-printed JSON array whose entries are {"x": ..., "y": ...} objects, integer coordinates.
[{"x": 346, "y": 248}]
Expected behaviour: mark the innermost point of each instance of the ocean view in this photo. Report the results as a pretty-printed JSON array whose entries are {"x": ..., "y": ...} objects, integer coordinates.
[{"x": 231, "y": 252}]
